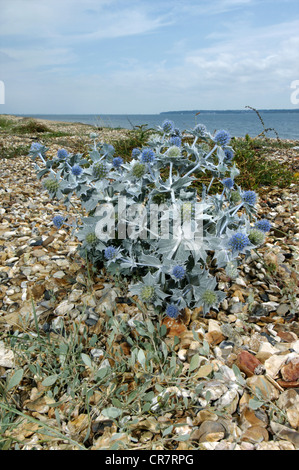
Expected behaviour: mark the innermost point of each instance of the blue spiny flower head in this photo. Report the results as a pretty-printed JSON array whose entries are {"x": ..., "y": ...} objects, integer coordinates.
[
  {"x": 200, "y": 129},
  {"x": 249, "y": 197},
  {"x": 77, "y": 170},
  {"x": 168, "y": 126},
  {"x": 147, "y": 155},
  {"x": 263, "y": 225},
  {"x": 229, "y": 155},
  {"x": 172, "y": 311},
  {"x": 36, "y": 147},
  {"x": 117, "y": 162},
  {"x": 135, "y": 153},
  {"x": 62, "y": 153},
  {"x": 175, "y": 140},
  {"x": 228, "y": 183},
  {"x": 222, "y": 138},
  {"x": 110, "y": 252},
  {"x": 58, "y": 221},
  {"x": 238, "y": 242},
  {"x": 178, "y": 272}
]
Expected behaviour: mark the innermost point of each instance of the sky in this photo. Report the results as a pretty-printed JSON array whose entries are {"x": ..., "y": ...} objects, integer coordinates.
[{"x": 147, "y": 56}]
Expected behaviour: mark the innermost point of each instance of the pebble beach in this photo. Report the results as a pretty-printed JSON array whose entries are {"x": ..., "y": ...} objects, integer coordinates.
[{"x": 253, "y": 340}]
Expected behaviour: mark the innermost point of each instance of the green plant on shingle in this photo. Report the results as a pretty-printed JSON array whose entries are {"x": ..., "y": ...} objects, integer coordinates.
[{"x": 147, "y": 222}]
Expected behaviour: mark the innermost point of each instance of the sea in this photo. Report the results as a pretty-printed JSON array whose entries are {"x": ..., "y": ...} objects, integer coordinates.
[{"x": 283, "y": 123}]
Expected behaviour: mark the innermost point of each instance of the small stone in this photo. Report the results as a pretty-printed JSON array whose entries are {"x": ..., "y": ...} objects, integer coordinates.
[
  {"x": 7, "y": 358},
  {"x": 125, "y": 348},
  {"x": 205, "y": 415},
  {"x": 273, "y": 364},
  {"x": 214, "y": 325},
  {"x": 59, "y": 274},
  {"x": 229, "y": 401},
  {"x": 40, "y": 405},
  {"x": 182, "y": 354},
  {"x": 287, "y": 336},
  {"x": 285, "y": 384},
  {"x": 11, "y": 260},
  {"x": 64, "y": 307},
  {"x": 236, "y": 308},
  {"x": 214, "y": 389},
  {"x": 204, "y": 370},
  {"x": 289, "y": 402},
  {"x": 248, "y": 363},
  {"x": 290, "y": 371},
  {"x": 255, "y": 434},
  {"x": 259, "y": 384},
  {"x": 75, "y": 295},
  {"x": 266, "y": 349},
  {"x": 270, "y": 306},
  {"x": 251, "y": 417},
  {"x": 282, "y": 309},
  {"x": 209, "y": 431},
  {"x": 174, "y": 327},
  {"x": 240, "y": 281},
  {"x": 214, "y": 337},
  {"x": 285, "y": 433},
  {"x": 48, "y": 240},
  {"x": 8, "y": 234},
  {"x": 79, "y": 424}
]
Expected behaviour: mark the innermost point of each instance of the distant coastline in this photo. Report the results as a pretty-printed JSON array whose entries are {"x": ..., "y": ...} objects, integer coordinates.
[
  {"x": 232, "y": 111},
  {"x": 238, "y": 123}
]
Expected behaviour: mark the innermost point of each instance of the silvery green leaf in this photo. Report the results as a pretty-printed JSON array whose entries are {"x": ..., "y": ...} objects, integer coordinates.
[
  {"x": 221, "y": 257},
  {"x": 255, "y": 404},
  {"x": 50, "y": 380},
  {"x": 194, "y": 363},
  {"x": 150, "y": 260},
  {"x": 234, "y": 172},
  {"x": 141, "y": 357},
  {"x": 67, "y": 190},
  {"x": 82, "y": 189},
  {"x": 41, "y": 173},
  {"x": 86, "y": 359},
  {"x": 90, "y": 204},
  {"x": 15, "y": 379},
  {"x": 95, "y": 156},
  {"x": 112, "y": 412}
]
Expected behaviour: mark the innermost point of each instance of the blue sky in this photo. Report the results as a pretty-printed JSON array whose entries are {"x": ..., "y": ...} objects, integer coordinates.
[{"x": 147, "y": 56}]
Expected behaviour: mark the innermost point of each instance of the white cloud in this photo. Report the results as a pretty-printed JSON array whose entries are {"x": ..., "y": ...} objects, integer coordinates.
[
  {"x": 76, "y": 20},
  {"x": 261, "y": 54},
  {"x": 230, "y": 65}
]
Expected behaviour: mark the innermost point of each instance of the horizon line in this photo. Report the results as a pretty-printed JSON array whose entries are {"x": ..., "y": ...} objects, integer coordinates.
[{"x": 155, "y": 114}]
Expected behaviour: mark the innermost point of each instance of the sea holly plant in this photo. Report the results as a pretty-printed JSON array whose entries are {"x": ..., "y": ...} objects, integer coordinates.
[{"x": 146, "y": 221}]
